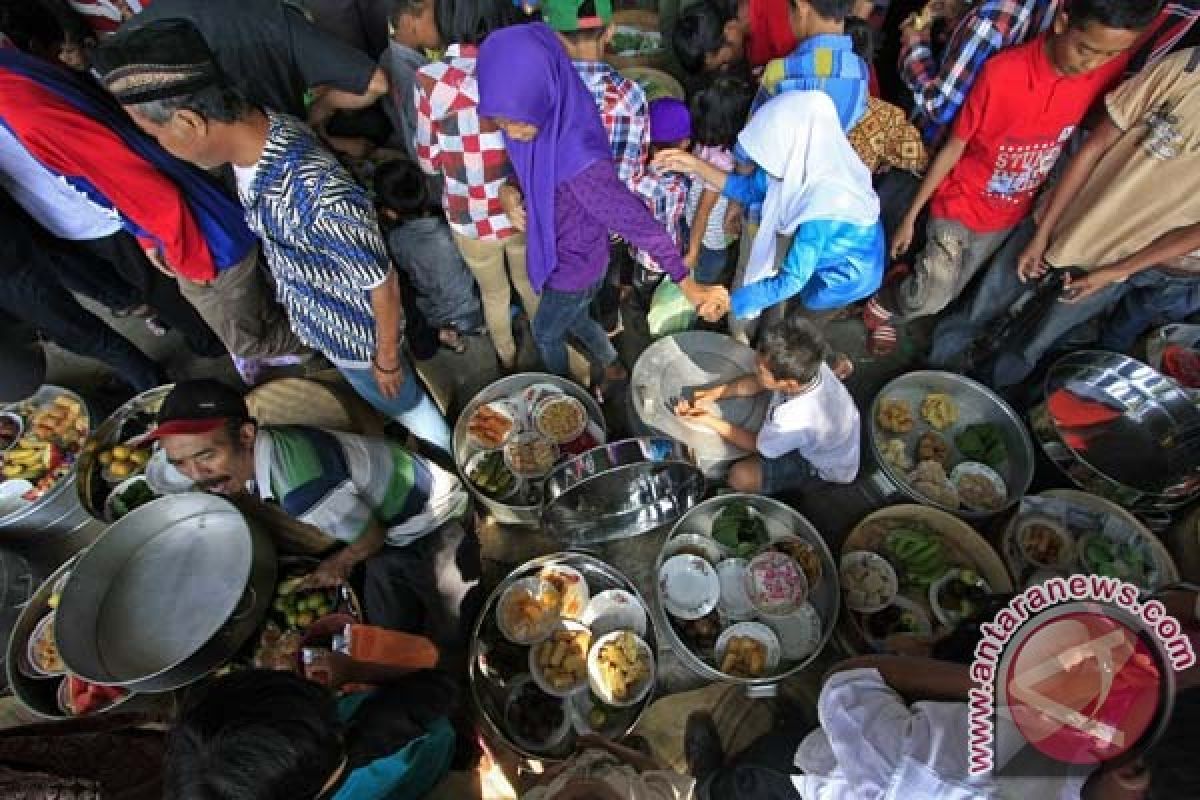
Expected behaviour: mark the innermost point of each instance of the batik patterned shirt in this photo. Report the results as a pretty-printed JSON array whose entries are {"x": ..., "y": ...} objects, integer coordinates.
[{"x": 321, "y": 240}]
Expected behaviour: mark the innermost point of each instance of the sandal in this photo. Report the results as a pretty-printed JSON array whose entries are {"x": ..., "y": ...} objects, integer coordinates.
[{"x": 883, "y": 341}]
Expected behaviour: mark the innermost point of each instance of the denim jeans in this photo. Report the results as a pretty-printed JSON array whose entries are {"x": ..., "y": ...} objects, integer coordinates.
[
  {"x": 712, "y": 267},
  {"x": 1155, "y": 298},
  {"x": 563, "y": 313},
  {"x": 412, "y": 407}
]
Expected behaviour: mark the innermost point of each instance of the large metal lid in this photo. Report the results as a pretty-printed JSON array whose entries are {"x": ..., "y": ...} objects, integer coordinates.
[
  {"x": 676, "y": 366},
  {"x": 620, "y": 490},
  {"x": 1129, "y": 422}
]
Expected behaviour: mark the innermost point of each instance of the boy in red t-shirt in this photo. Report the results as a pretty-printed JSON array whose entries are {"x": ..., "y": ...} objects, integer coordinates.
[{"x": 1017, "y": 119}]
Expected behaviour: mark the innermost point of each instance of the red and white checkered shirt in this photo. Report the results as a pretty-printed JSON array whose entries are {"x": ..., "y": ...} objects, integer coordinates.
[{"x": 465, "y": 149}]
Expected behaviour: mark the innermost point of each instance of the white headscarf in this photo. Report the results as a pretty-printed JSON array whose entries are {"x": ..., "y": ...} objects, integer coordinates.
[{"x": 813, "y": 172}]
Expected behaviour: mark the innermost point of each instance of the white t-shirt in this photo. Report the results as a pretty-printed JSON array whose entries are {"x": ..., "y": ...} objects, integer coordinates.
[
  {"x": 715, "y": 237},
  {"x": 872, "y": 745},
  {"x": 822, "y": 424}
]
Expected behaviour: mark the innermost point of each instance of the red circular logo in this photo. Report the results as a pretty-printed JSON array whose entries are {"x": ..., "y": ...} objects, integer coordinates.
[{"x": 1083, "y": 687}]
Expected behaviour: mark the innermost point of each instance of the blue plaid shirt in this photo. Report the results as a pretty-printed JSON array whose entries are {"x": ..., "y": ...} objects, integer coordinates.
[
  {"x": 824, "y": 63},
  {"x": 321, "y": 240}
]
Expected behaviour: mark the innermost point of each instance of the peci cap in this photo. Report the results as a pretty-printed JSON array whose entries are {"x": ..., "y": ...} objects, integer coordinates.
[
  {"x": 199, "y": 406},
  {"x": 566, "y": 16},
  {"x": 161, "y": 60}
]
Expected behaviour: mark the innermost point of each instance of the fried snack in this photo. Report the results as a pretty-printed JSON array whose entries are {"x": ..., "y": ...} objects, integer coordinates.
[
  {"x": 563, "y": 658},
  {"x": 932, "y": 447},
  {"x": 525, "y": 614},
  {"x": 533, "y": 456},
  {"x": 489, "y": 427},
  {"x": 895, "y": 416},
  {"x": 45, "y": 651},
  {"x": 895, "y": 452},
  {"x": 745, "y": 657},
  {"x": 1043, "y": 544},
  {"x": 929, "y": 478},
  {"x": 622, "y": 666},
  {"x": 979, "y": 493},
  {"x": 939, "y": 410}
]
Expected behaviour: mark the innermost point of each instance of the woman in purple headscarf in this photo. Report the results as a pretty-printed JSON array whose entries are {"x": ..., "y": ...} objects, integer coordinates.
[{"x": 573, "y": 199}]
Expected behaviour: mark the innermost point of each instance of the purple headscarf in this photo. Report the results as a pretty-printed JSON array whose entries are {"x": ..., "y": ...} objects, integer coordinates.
[{"x": 525, "y": 76}]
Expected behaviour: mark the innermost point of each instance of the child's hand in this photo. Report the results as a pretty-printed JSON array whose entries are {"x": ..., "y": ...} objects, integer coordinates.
[
  {"x": 706, "y": 397},
  {"x": 676, "y": 160},
  {"x": 513, "y": 204},
  {"x": 733, "y": 219},
  {"x": 691, "y": 259},
  {"x": 1031, "y": 264},
  {"x": 903, "y": 237}
]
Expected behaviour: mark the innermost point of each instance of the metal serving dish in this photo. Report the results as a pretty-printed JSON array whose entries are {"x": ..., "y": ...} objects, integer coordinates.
[
  {"x": 169, "y": 593},
  {"x": 525, "y": 516},
  {"x": 674, "y": 367},
  {"x": 781, "y": 521},
  {"x": 491, "y": 679},
  {"x": 93, "y": 489},
  {"x": 976, "y": 404},
  {"x": 1146, "y": 456},
  {"x": 620, "y": 490}
]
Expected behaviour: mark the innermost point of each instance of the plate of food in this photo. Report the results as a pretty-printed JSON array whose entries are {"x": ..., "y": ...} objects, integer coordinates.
[
  {"x": 490, "y": 425},
  {"x": 535, "y": 720},
  {"x": 1045, "y": 542},
  {"x": 979, "y": 487},
  {"x": 489, "y": 473},
  {"x": 530, "y": 454},
  {"x": 621, "y": 669},
  {"x": 79, "y": 698},
  {"x": 689, "y": 586},
  {"x": 42, "y": 650},
  {"x": 804, "y": 554},
  {"x": 558, "y": 663},
  {"x": 957, "y": 595},
  {"x": 612, "y": 610},
  {"x": 571, "y": 587},
  {"x": 695, "y": 544},
  {"x": 528, "y": 611},
  {"x": 740, "y": 529},
  {"x": 11, "y": 428},
  {"x": 1128, "y": 559},
  {"x": 748, "y": 650},
  {"x": 132, "y": 493},
  {"x": 735, "y": 603},
  {"x": 775, "y": 583},
  {"x": 868, "y": 581},
  {"x": 560, "y": 419},
  {"x": 799, "y": 633},
  {"x": 901, "y": 616},
  {"x": 120, "y": 462}
]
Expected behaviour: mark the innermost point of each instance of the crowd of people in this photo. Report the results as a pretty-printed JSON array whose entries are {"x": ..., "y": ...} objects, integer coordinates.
[{"x": 1015, "y": 170}]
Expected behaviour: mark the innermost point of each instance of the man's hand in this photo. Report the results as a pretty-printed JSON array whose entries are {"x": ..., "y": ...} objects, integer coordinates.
[
  {"x": 329, "y": 574},
  {"x": 1031, "y": 264},
  {"x": 389, "y": 374},
  {"x": 513, "y": 204},
  {"x": 707, "y": 397},
  {"x": 1076, "y": 289},
  {"x": 902, "y": 239}
]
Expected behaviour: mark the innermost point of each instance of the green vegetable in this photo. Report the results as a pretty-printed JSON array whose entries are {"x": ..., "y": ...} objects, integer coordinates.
[
  {"x": 983, "y": 443},
  {"x": 739, "y": 529}
]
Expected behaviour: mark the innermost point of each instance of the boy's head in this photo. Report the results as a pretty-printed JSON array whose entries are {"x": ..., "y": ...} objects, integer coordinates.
[
  {"x": 470, "y": 21},
  {"x": 790, "y": 354},
  {"x": 168, "y": 80},
  {"x": 413, "y": 24},
  {"x": 402, "y": 190},
  {"x": 810, "y": 17},
  {"x": 670, "y": 124},
  {"x": 720, "y": 111},
  {"x": 710, "y": 36},
  {"x": 256, "y": 735},
  {"x": 865, "y": 40},
  {"x": 1090, "y": 33},
  {"x": 585, "y": 26}
]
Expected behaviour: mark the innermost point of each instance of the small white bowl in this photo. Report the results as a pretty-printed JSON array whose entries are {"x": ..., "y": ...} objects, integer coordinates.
[
  {"x": 924, "y": 625},
  {"x": 985, "y": 472},
  {"x": 799, "y": 633},
  {"x": 696, "y": 544},
  {"x": 775, "y": 584},
  {"x": 876, "y": 563},
  {"x": 689, "y": 587},
  {"x": 602, "y": 690},
  {"x": 535, "y": 586},
  {"x": 556, "y": 738},
  {"x": 752, "y": 630},
  {"x": 538, "y": 675},
  {"x": 945, "y": 616},
  {"x": 1066, "y": 544},
  {"x": 574, "y": 591},
  {"x": 38, "y": 631},
  {"x": 615, "y": 610},
  {"x": 735, "y": 603},
  {"x": 565, "y": 399}
]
